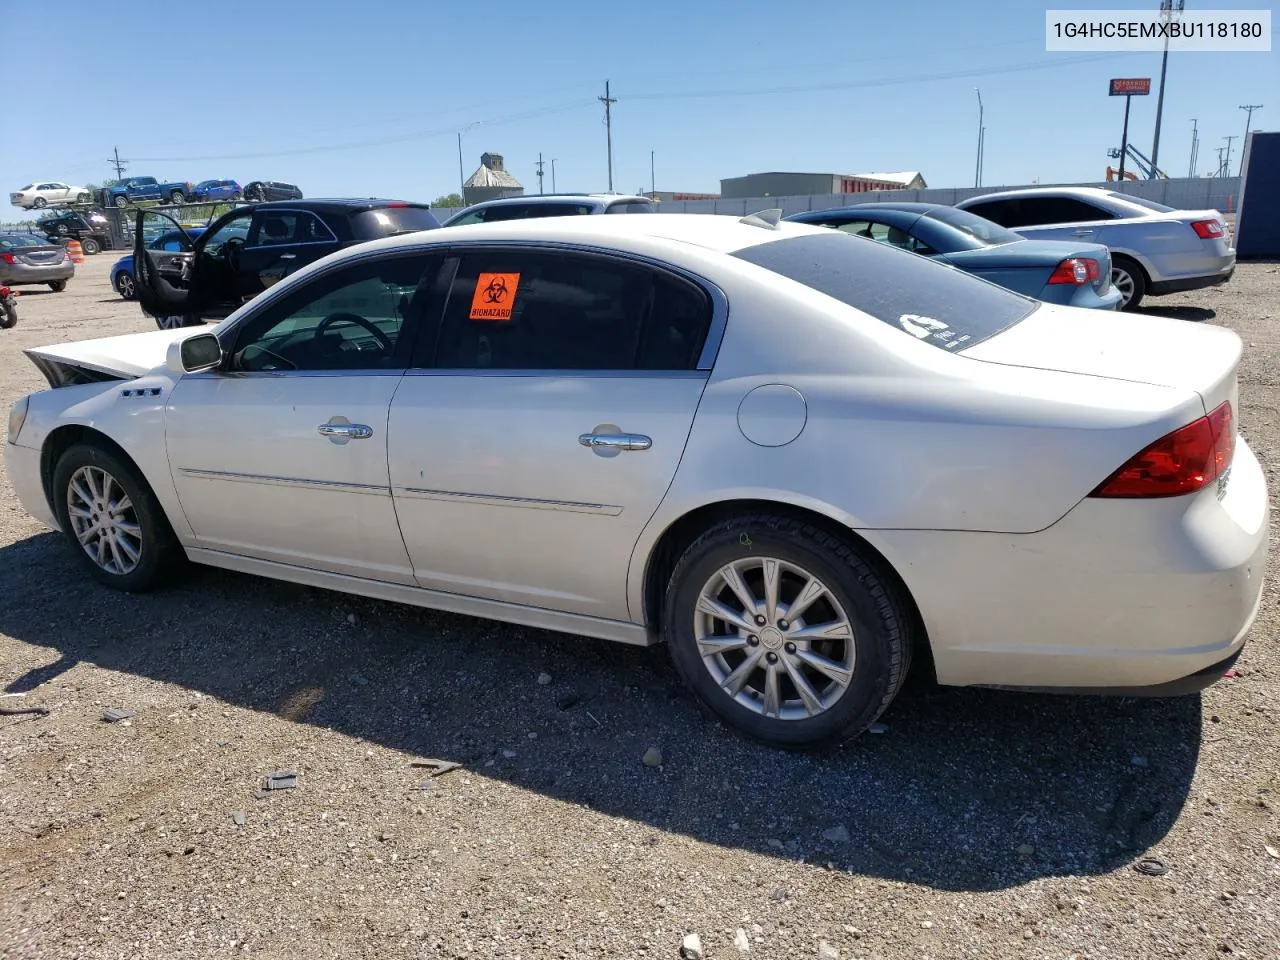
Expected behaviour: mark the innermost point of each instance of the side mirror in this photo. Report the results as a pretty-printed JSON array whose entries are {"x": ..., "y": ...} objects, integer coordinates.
[{"x": 193, "y": 354}]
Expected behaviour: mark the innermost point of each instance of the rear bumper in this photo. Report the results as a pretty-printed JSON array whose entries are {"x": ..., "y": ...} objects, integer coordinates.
[
  {"x": 1084, "y": 296},
  {"x": 17, "y": 274},
  {"x": 1162, "y": 287},
  {"x": 1118, "y": 596}
]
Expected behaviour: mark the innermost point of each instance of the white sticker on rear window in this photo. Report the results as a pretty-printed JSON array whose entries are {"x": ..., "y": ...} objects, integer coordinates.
[{"x": 924, "y": 327}]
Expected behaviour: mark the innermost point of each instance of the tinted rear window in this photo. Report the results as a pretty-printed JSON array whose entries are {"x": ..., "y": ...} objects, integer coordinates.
[
  {"x": 939, "y": 304},
  {"x": 390, "y": 221},
  {"x": 10, "y": 240}
]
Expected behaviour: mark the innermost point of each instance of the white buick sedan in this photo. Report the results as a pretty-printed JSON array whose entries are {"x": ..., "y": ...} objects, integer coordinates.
[{"x": 795, "y": 456}]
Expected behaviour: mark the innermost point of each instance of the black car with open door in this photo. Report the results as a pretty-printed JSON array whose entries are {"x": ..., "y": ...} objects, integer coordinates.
[{"x": 248, "y": 249}]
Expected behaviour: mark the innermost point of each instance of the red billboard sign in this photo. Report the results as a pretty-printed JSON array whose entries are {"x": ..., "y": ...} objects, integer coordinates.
[{"x": 1130, "y": 86}]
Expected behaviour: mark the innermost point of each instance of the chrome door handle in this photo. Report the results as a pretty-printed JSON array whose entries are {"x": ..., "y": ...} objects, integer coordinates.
[
  {"x": 342, "y": 432},
  {"x": 288, "y": 256},
  {"x": 1083, "y": 233},
  {"x": 615, "y": 441}
]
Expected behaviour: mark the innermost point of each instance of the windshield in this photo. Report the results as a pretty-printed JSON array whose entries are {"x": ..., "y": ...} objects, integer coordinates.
[
  {"x": 1140, "y": 202},
  {"x": 939, "y": 304},
  {"x": 991, "y": 234},
  {"x": 391, "y": 221}
]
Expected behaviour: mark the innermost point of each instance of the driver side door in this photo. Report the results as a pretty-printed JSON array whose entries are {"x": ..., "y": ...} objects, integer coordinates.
[{"x": 280, "y": 454}]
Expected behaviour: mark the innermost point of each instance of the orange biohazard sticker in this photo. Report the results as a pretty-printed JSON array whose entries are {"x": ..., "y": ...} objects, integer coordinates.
[{"x": 495, "y": 295}]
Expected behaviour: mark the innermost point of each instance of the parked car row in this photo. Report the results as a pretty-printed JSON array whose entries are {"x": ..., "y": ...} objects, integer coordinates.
[
  {"x": 799, "y": 457},
  {"x": 121, "y": 193}
]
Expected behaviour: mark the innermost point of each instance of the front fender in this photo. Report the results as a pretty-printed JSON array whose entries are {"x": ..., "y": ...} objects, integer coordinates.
[{"x": 129, "y": 413}]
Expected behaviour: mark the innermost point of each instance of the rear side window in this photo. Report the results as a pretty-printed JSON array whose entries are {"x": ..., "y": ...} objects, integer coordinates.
[
  {"x": 392, "y": 221},
  {"x": 935, "y": 303},
  {"x": 631, "y": 206},
  {"x": 537, "y": 310},
  {"x": 526, "y": 211}
]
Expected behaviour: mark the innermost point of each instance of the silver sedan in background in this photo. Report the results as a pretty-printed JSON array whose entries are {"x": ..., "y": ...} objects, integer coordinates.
[
  {"x": 26, "y": 259},
  {"x": 1155, "y": 249}
]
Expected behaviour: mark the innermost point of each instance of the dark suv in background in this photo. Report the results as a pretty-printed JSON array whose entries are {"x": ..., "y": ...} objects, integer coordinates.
[
  {"x": 92, "y": 229},
  {"x": 249, "y": 249},
  {"x": 262, "y": 190}
]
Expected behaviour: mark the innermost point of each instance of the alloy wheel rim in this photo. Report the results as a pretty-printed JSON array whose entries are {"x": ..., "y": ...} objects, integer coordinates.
[
  {"x": 774, "y": 638},
  {"x": 126, "y": 286},
  {"x": 104, "y": 520},
  {"x": 1122, "y": 281},
  {"x": 171, "y": 322}
]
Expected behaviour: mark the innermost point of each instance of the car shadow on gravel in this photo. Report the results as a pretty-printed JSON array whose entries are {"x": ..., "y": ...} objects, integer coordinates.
[
  {"x": 1179, "y": 312},
  {"x": 965, "y": 790}
]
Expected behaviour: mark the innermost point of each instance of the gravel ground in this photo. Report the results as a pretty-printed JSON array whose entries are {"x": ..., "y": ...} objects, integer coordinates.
[{"x": 980, "y": 824}]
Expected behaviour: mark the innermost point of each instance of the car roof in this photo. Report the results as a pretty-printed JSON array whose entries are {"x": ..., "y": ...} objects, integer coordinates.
[
  {"x": 1043, "y": 192},
  {"x": 336, "y": 204},
  {"x": 903, "y": 206},
  {"x": 723, "y": 233},
  {"x": 559, "y": 198}
]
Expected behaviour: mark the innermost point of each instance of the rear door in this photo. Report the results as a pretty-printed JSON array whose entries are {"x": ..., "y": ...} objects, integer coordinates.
[
  {"x": 1048, "y": 217},
  {"x": 533, "y": 442},
  {"x": 280, "y": 242}
]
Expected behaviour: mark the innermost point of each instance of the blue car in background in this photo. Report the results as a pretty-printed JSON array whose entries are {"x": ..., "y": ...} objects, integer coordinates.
[
  {"x": 1055, "y": 271},
  {"x": 207, "y": 190},
  {"x": 123, "y": 279}
]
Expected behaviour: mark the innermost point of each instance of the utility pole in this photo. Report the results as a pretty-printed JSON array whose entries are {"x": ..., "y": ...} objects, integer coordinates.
[
  {"x": 1250, "y": 107},
  {"x": 539, "y": 173},
  {"x": 1218, "y": 172},
  {"x": 653, "y": 181},
  {"x": 608, "y": 102},
  {"x": 553, "y": 174},
  {"x": 117, "y": 163},
  {"x": 1195, "y": 148},
  {"x": 1226, "y": 167},
  {"x": 462, "y": 177},
  {"x": 977, "y": 166},
  {"x": 1167, "y": 9}
]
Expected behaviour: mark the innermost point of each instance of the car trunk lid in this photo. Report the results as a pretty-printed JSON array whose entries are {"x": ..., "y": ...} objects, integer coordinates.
[
  {"x": 1139, "y": 349},
  {"x": 43, "y": 255}
]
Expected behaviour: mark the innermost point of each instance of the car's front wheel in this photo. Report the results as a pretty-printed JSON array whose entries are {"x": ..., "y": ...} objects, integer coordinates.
[
  {"x": 125, "y": 285},
  {"x": 1128, "y": 277},
  {"x": 113, "y": 521},
  {"x": 786, "y": 632},
  {"x": 83, "y": 198}
]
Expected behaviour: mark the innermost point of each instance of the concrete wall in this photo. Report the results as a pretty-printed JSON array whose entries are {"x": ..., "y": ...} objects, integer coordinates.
[{"x": 1198, "y": 193}]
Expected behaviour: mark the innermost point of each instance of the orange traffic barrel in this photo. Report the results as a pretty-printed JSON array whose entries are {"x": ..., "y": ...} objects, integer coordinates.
[{"x": 75, "y": 252}]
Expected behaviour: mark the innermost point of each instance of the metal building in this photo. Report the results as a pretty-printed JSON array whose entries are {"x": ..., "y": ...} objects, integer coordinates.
[
  {"x": 804, "y": 184},
  {"x": 491, "y": 181}
]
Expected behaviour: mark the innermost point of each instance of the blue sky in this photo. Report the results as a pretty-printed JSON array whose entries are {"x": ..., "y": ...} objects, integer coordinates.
[{"x": 366, "y": 98}]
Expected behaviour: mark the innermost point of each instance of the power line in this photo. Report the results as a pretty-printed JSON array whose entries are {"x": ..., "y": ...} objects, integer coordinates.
[
  {"x": 879, "y": 81},
  {"x": 355, "y": 144}
]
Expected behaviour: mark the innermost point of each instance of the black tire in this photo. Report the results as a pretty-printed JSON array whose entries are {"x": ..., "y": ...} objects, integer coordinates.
[
  {"x": 160, "y": 556},
  {"x": 125, "y": 285},
  {"x": 61, "y": 229},
  {"x": 39, "y": 203},
  {"x": 120, "y": 200},
  {"x": 57, "y": 286},
  {"x": 1122, "y": 266},
  {"x": 89, "y": 246},
  {"x": 882, "y": 625},
  {"x": 177, "y": 197},
  {"x": 8, "y": 316}
]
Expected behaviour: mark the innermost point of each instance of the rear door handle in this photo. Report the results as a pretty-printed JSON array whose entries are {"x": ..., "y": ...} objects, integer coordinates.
[
  {"x": 288, "y": 256},
  {"x": 1083, "y": 233},
  {"x": 615, "y": 441}
]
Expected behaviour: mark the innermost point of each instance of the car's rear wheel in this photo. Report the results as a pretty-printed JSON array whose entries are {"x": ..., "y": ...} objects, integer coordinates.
[
  {"x": 39, "y": 203},
  {"x": 177, "y": 197},
  {"x": 113, "y": 521},
  {"x": 125, "y": 286},
  {"x": 786, "y": 632},
  {"x": 120, "y": 200},
  {"x": 1130, "y": 279},
  {"x": 89, "y": 246},
  {"x": 57, "y": 286}
]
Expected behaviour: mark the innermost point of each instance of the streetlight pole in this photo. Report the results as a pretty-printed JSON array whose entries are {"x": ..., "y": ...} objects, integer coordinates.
[
  {"x": 1167, "y": 9},
  {"x": 977, "y": 167},
  {"x": 653, "y": 181}
]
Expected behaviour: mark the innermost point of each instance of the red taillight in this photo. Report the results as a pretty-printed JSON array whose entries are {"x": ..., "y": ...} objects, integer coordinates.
[
  {"x": 8, "y": 258},
  {"x": 397, "y": 203},
  {"x": 1077, "y": 270},
  {"x": 1187, "y": 460},
  {"x": 1207, "y": 229}
]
